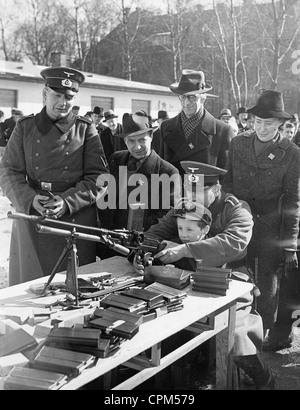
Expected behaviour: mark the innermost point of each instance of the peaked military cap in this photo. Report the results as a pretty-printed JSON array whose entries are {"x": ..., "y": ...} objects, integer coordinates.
[
  {"x": 194, "y": 169},
  {"x": 63, "y": 79}
]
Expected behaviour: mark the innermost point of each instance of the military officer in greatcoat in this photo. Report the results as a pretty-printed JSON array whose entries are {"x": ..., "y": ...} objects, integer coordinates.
[
  {"x": 194, "y": 134},
  {"x": 50, "y": 167},
  {"x": 229, "y": 235}
]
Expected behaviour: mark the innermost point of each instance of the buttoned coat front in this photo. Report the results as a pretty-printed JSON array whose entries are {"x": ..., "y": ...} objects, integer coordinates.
[
  {"x": 68, "y": 152},
  {"x": 150, "y": 170},
  {"x": 270, "y": 184},
  {"x": 209, "y": 142}
]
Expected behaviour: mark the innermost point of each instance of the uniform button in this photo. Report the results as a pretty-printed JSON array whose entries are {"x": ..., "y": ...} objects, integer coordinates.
[
  {"x": 67, "y": 142},
  {"x": 66, "y": 168},
  {"x": 38, "y": 141},
  {"x": 37, "y": 154},
  {"x": 67, "y": 153},
  {"x": 37, "y": 168},
  {"x": 67, "y": 181}
]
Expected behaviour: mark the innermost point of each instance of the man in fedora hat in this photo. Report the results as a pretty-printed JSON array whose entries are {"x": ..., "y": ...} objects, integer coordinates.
[
  {"x": 194, "y": 134},
  {"x": 50, "y": 168},
  {"x": 264, "y": 169},
  {"x": 108, "y": 135},
  {"x": 242, "y": 118},
  {"x": 143, "y": 166},
  {"x": 98, "y": 117},
  {"x": 230, "y": 233}
]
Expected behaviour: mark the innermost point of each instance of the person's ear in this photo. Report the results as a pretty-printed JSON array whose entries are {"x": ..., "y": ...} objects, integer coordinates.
[
  {"x": 216, "y": 189},
  {"x": 206, "y": 229}
]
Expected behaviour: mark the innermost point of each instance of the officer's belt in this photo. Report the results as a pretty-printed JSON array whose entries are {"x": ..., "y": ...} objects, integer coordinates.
[{"x": 50, "y": 186}]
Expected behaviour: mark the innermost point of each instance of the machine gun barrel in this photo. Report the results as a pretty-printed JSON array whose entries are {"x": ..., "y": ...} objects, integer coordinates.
[{"x": 118, "y": 234}]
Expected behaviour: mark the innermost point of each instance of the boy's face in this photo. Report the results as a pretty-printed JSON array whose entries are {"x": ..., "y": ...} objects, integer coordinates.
[{"x": 190, "y": 231}]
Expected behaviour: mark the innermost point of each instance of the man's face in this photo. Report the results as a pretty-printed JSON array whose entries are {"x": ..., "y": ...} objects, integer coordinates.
[
  {"x": 139, "y": 146},
  {"x": 225, "y": 119},
  {"x": 203, "y": 195},
  {"x": 243, "y": 116},
  {"x": 96, "y": 118},
  {"x": 112, "y": 123},
  {"x": 266, "y": 128},
  {"x": 58, "y": 105},
  {"x": 250, "y": 123},
  {"x": 288, "y": 132},
  {"x": 191, "y": 104},
  {"x": 189, "y": 231}
]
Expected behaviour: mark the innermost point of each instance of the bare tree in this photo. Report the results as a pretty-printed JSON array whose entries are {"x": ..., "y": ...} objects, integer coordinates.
[{"x": 278, "y": 37}]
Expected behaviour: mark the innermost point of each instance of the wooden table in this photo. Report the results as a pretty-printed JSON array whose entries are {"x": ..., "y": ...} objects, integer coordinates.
[{"x": 205, "y": 314}]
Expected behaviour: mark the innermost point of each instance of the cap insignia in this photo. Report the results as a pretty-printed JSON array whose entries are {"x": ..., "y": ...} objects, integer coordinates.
[
  {"x": 68, "y": 74},
  {"x": 66, "y": 83}
]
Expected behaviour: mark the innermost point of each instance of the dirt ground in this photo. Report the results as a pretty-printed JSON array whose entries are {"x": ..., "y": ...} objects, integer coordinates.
[{"x": 285, "y": 363}]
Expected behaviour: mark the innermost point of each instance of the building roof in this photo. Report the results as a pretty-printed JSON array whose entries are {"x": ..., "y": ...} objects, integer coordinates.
[{"x": 31, "y": 73}]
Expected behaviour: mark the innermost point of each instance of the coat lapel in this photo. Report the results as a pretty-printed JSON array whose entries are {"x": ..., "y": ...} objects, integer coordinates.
[{"x": 199, "y": 140}]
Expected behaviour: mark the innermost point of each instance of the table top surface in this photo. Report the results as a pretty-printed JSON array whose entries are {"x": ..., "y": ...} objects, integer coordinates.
[{"x": 196, "y": 306}]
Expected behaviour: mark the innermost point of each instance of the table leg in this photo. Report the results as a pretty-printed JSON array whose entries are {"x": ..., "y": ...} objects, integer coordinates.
[{"x": 224, "y": 352}]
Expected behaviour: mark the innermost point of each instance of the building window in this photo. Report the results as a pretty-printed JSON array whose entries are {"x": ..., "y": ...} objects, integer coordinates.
[
  {"x": 106, "y": 103},
  {"x": 9, "y": 98},
  {"x": 141, "y": 105}
]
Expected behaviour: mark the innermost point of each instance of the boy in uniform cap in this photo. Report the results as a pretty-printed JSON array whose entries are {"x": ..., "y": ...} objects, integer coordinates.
[
  {"x": 49, "y": 168},
  {"x": 108, "y": 135},
  {"x": 230, "y": 233},
  {"x": 194, "y": 134},
  {"x": 264, "y": 169}
]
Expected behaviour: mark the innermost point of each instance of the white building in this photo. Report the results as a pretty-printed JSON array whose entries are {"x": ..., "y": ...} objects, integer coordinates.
[{"x": 21, "y": 87}]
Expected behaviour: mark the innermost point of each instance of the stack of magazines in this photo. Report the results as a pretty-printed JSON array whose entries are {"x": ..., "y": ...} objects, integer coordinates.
[{"x": 211, "y": 280}]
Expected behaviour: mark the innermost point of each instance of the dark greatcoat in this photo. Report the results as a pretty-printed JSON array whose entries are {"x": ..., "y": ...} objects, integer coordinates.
[
  {"x": 68, "y": 152},
  {"x": 270, "y": 184},
  {"x": 7, "y": 127},
  {"x": 151, "y": 166},
  {"x": 110, "y": 142},
  {"x": 209, "y": 142},
  {"x": 230, "y": 234}
]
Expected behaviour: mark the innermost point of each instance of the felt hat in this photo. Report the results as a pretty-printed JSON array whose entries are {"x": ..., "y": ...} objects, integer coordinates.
[
  {"x": 135, "y": 124},
  {"x": 211, "y": 174},
  {"x": 242, "y": 110},
  {"x": 191, "y": 82},
  {"x": 162, "y": 115},
  {"x": 98, "y": 111},
  {"x": 269, "y": 105},
  {"x": 64, "y": 80},
  {"x": 194, "y": 211},
  {"x": 108, "y": 115},
  {"x": 225, "y": 113}
]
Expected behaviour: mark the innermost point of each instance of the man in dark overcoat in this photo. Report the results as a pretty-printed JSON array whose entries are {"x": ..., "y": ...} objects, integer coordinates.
[
  {"x": 49, "y": 168},
  {"x": 110, "y": 142},
  {"x": 194, "y": 134},
  {"x": 140, "y": 164},
  {"x": 264, "y": 169},
  {"x": 226, "y": 246}
]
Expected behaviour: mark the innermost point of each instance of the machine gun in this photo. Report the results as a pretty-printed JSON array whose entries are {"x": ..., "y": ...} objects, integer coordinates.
[{"x": 125, "y": 242}]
